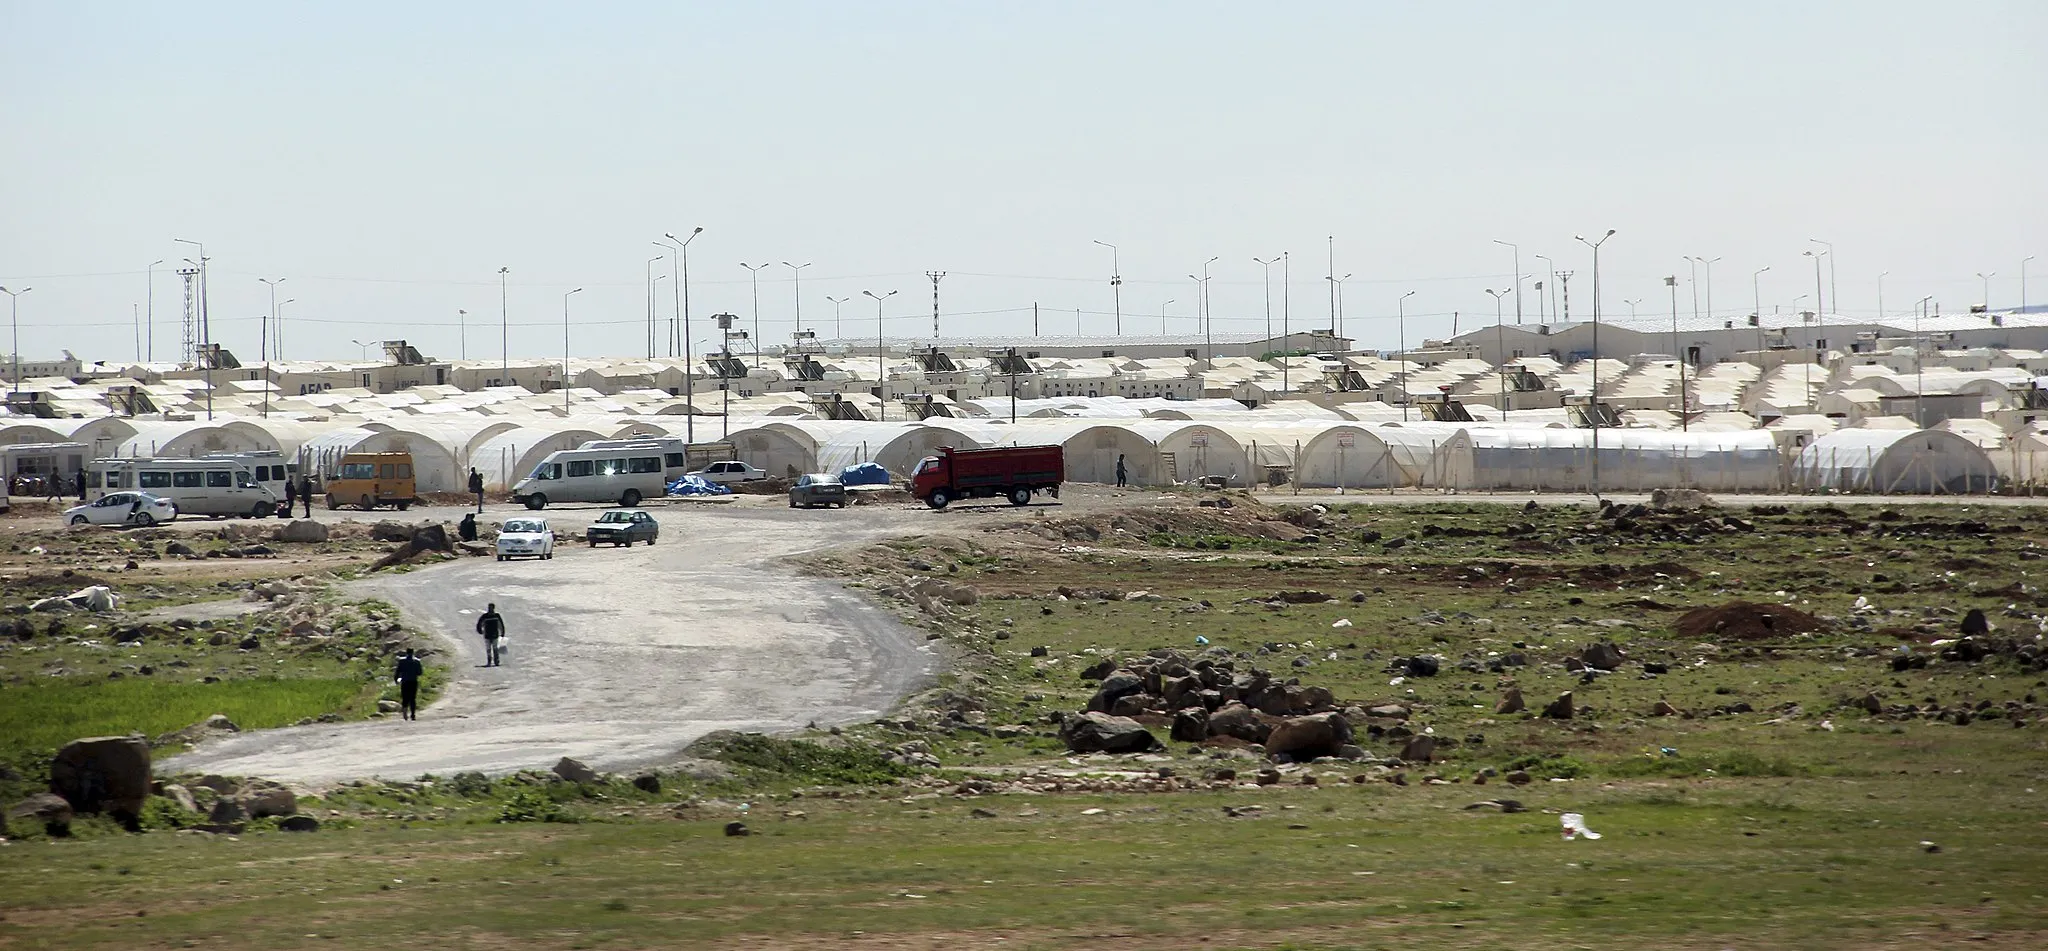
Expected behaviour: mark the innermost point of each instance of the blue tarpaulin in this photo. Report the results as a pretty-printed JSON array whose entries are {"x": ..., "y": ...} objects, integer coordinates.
[
  {"x": 867, "y": 473},
  {"x": 696, "y": 485}
]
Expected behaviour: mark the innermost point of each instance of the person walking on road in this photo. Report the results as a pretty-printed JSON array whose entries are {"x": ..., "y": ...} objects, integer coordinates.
[
  {"x": 476, "y": 487},
  {"x": 306, "y": 493},
  {"x": 492, "y": 626},
  {"x": 1122, "y": 477},
  {"x": 408, "y": 677},
  {"x": 81, "y": 486},
  {"x": 291, "y": 497}
]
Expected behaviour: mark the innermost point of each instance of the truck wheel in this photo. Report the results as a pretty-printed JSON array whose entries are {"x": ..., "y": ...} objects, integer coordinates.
[
  {"x": 333, "y": 503},
  {"x": 260, "y": 511},
  {"x": 629, "y": 499},
  {"x": 1020, "y": 496},
  {"x": 402, "y": 506},
  {"x": 368, "y": 504},
  {"x": 938, "y": 499},
  {"x": 536, "y": 502}
]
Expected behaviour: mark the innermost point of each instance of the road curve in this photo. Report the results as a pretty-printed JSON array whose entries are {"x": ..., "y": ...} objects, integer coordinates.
[{"x": 620, "y": 657}]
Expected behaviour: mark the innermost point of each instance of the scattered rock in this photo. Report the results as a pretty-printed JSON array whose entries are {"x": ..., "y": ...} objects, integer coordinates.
[
  {"x": 262, "y": 799},
  {"x": 1510, "y": 702},
  {"x": 1309, "y": 737},
  {"x": 181, "y": 796},
  {"x": 574, "y": 771},
  {"x": 1601, "y": 656},
  {"x": 1519, "y": 777},
  {"x": 1114, "y": 687},
  {"x": 303, "y": 531},
  {"x": 737, "y": 829},
  {"x": 107, "y": 774},
  {"x": 1663, "y": 708},
  {"x": 1561, "y": 708},
  {"x": 299, "y": 824},
  {"x": 1418, "y": 749},
  {"x": 1742, "y": 620},
  {"x": 50, "y": 811},
  {"x": 1097, "y": 732},
  {"x": 647, "y": 782}
]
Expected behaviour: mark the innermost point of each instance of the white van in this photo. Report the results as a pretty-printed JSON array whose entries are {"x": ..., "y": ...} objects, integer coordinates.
[
  {"x": 618, "y": 471},
  {"x": 267, "y": 466},
  {"x": 217, "y": 487}
]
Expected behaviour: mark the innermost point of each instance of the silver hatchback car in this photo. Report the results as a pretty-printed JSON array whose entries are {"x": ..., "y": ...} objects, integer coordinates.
[{"x": 817, "y": 488}]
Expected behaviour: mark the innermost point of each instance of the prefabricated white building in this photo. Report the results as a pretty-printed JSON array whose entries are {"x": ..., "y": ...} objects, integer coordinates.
[
  {"x": 1629, "y": 460},
  {"x": 1894, "y": 461}
]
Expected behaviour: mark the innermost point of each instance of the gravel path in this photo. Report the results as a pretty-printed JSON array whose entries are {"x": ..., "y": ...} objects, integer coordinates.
[{"x": 621, "y": 657}]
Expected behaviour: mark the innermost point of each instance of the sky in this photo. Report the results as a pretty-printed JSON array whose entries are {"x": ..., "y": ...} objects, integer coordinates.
[{"x": 385, "y": 160}]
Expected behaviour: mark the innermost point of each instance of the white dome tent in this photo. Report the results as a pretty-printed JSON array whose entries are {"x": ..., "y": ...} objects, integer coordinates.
[{"x": 1887, "y": 461}]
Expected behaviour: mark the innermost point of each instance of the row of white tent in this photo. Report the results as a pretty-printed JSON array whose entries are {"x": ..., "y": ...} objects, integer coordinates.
[{"x": 1310, "y": 453}]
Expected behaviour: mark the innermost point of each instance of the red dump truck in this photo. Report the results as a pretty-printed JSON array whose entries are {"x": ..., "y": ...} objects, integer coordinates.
[{"x": 1013, "y": 472}]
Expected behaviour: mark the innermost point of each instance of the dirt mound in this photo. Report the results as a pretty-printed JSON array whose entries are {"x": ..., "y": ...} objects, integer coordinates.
[
  {"x": 1744, "y": 621},
  {"x": 773, "y": 485},
  {"x": 1243, "y": 519}
]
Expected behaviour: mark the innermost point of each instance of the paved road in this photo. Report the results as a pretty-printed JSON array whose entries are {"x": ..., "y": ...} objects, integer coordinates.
[{"x": 621, "y": 657}]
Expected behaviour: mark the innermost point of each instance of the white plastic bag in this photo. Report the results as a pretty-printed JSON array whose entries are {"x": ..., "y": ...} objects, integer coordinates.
[{"x": 1575, "y": 827}]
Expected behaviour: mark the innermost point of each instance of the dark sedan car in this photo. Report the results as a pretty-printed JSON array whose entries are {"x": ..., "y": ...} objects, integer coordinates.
[
  {"x": 818, "y": 488},
  {"x": 623, "y": 527}
]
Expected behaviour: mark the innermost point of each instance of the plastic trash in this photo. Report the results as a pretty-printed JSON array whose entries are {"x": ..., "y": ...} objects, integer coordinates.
[
  {"x": 866, "y": 473},
  {"x": 696, "y": 485},
  {"x": 1342, "y": 622},
  {"x": 1575, "y": 827},
  {"x": 1201, "y": 639}
]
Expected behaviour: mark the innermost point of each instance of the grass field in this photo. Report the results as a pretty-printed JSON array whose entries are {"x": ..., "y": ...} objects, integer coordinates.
[{"x": 1774, "y": 812}]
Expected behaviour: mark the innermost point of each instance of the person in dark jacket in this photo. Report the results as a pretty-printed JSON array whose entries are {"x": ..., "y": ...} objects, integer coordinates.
[
  {"x": 1121, "y": 476},
  {"x": 408, "y": 676},
  {"x": 476, "y": 487},
  {"x": 466, "y": 530},
  {"x": 492, "y": 626},
  {"x": 81, "y": 486},
  {"x": 306, "y": 493},
  {"x": 291, "y": 497}
]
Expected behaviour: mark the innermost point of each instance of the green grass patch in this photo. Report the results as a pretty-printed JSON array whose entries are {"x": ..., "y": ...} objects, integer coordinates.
[
  {"x": 50, "y": 715},
  {"x": 776, "y": 760}
]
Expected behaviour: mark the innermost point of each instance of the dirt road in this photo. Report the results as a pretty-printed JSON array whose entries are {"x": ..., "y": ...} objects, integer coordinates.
[{"x": 621, "y": 657}]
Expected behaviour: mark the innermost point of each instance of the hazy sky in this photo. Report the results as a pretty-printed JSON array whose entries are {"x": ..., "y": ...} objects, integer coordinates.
[{"x": 386, "y": 159}]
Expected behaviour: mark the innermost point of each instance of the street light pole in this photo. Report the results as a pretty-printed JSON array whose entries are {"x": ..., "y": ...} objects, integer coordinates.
[
  {"x": 1545, "y": 258},
  {"x": 1286, "y": 313},
  {"x": 462, "y": 333},
  {"x": 1339, "y": 281},
  {"x": 1116, "y": 284},
  {"x": 1919, "y": 380},
  {"x": 881, "y": 355},
  {"x": 265, "y": 348},
  {"x": 651, "y": 262},
  {"x": 1880, "y": 289},
  {"x": 836, "y": 302},
  {"x": 1986, "y": 278},
  {"x": 1401, "y": 324},
  {"x": 1162, "y": 315},
  {"x": 14, "y": 320},
  {"x": 1631, "y": 302},
  {"x": 1267, "y": 265},
  {"x": 149, "y": 308},
  {"x": 504, "y": 330},
  {"x": 1820, "y": 307},
  {"x": 1676, "y": 351},
  {"x": 2023, "y": 282},
  {"x": 754, "y": 275},
  {"x": 1500, "y": 346},
  {"x": 797, "y": 274},
  {"x": 1518, "y": 277},
  {"x": 682, "y": 292},
  {"x": 1595, "y": 405},
  {"x": 565, "y": 350}
]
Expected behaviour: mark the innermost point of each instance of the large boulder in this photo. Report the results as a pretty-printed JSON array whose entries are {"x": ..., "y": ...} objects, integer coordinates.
[
  {"x": 1114, "y": 687},
  {"x": 390, "y": 531},
  {"x": 1191, "y": 725},
  {"x": 304, "y": 531},
  {"x": 1561, "y": 708},
  {"x": 107, "y": 774},
  {"x": 1094, "y": 732},
  {"x": 1601, "y": 656},
  {"x": 44, "y": 809},
  {"x": 431, "y": 537},
  {"x": 574, "y": 771},
  {"x": 1240, "y": 721},
  {"x": 1305, "y": 738},
  {"x": 268, "y": 799}
]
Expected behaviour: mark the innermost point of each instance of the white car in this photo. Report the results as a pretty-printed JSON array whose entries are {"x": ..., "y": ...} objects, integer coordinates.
[
  {"x": 123, "y": 508},
  {"x": 725, "y": 472},
  {"x": 526, "y": 538}
]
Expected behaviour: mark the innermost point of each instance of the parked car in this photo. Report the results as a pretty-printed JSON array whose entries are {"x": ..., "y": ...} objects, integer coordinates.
[
  {"x": 726, "y": 472},
  {"x": 123, "y": 508},
  {"x": 526, "y": 538},
  {"x": 818, "y": 488},
  {"x": 623, "y": 527}
]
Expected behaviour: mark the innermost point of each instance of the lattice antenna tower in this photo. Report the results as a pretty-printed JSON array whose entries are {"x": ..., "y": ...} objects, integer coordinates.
[{"x": 191, "y": 319}]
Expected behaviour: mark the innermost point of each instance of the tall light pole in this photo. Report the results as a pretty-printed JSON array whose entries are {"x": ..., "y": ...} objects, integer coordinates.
[
  {"x": 1500, "y": 346},
  {"x": 1209, "y": 315},
  {"x": 1694, "y": 283},
  {"x": 680, "y": 286},
  {"x": 1757, "y": 308},
  {"x": 1286, "y": 313},
  {"x": 1267, "y": 266},
  {"x": 504, "y": 330},
  {"x": 1986, "y": 277},
  {"x": 1819, "y": 304},
  {"x": 14, "y": 319},
  {"x": 1880, "y": 290},
  {"x": 1545, "y": 258},
  {"x": 1331, "y": 275},
  {"x": 881, "y": 355},
  {"x": 1631, "y": 302},
  {"x": 565, "y": 350},
  {"x": 265, "y": 348},
  {"x": 1919, "y": 379},
  {"x": 149, "y": 307},
  {"x": 754, "y": 275},
  {"x": 1339, "y": 281},
  {"x": 1116, "y": 284},
  {"x": 1820, "y": 307},
  {"x": 462, "y": 333},
  {"x": 1162, "y": 315},
  {"x": 651, "y": 262},
  {"x": 1676, "y": 351},
  {"x": 1595, "y": 405},
  {"x": 1708, "y": 263},
  {"x": 796, "y": 272},
  {"x": 1401, "y": 324},
  {"x": 836, "y": 303},
  {"x": 1518, "y": 277}
]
